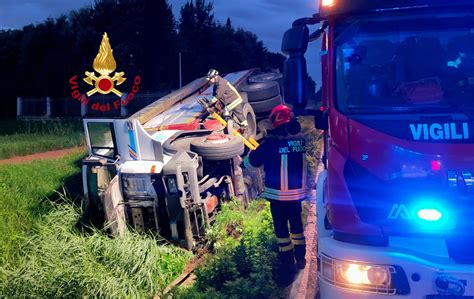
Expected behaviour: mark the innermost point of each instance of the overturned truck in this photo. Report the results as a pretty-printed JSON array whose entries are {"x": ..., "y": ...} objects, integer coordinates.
[{"x": 168, "y": 167}]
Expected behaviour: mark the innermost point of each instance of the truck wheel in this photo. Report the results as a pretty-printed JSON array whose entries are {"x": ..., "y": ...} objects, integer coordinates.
[
  {"x": 249, "y": 115},
  {"x": 218, "y": 147},
  {"x": 266, "y": 106},
  {"x": 261, "y": 91},
  {"x": 270, "y": 76}
]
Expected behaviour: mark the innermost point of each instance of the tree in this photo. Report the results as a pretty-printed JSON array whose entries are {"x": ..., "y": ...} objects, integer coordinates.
[
  {"x": 159, "y": 44},
  {"x": 196, "y": 28},
  {"x": 39, "y": 59}
]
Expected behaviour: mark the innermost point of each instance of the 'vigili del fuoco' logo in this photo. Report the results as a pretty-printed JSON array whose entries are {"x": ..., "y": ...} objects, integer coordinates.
[{"x": 104, "y": 64}]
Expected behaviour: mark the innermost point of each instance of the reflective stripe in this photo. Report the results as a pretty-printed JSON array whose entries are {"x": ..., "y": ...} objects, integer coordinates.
[
  {"x": 244, "y": 123},
  {"x": 234, "y": 104},
  {"x": 285, "y": 192},
  {"x": 233, "y": 88},
  {"x": 284, "y": 172},
  {"x": 213, "y": 100},
  {"x": 284, "y": 197},
  {"x": 299, "y": 242},
  {"x": 296, "y": 236},
  {"x": 246, "y": 162},
  {"x": 286, "y": 248},
  {"x": 283, "y": 240}
]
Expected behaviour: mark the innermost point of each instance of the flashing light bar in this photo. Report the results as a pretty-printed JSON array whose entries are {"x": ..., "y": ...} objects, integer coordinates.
[
  {"x": 435, "y": 165},
  {"x": 328, "y": 3}
]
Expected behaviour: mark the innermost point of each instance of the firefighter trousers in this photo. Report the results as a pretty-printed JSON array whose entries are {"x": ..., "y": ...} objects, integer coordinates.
[
  {"x": 291, "y": 243},
  {"x": 239, "y": 115}
]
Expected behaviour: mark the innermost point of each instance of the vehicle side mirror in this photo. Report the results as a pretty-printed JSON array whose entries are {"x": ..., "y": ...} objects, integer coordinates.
[
  {"x": 295, "y": 39},
  {"x": 321, "y": 119},
  {"x": 294, "y": 44}
]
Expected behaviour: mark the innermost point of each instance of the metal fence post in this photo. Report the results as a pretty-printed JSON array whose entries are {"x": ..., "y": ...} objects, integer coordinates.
[
  {"x": 19, "y": 106},
  {"x": 48, "y": 107},
  {"x": 123, "y": 108},
  {"x": 83, "y": 109}
]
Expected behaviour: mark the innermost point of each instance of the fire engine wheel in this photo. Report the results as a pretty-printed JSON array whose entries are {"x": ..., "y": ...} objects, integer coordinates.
[
  {"x": 266, "y": 106},
  {"x": 261, "y": 91},
  {"x": 217, "y": 147}
]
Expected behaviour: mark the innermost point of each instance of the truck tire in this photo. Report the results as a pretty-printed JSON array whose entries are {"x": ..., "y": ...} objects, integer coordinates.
[
  {"x": 270, "y": 76},
  {"x": 217, "y": 147},
  {"x": 249, "y": 115},
  {"x": 261, "y": 91},
  {"x": 263, "y": 108}
]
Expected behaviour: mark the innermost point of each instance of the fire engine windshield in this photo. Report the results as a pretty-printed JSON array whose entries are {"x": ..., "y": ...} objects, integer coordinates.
[{"x": 405, "y": 63}]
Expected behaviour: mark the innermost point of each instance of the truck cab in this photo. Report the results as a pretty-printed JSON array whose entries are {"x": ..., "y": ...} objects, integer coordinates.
[{"x": 395, "y": 198}]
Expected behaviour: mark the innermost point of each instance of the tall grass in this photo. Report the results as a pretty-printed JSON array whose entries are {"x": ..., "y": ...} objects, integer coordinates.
[
  {"x": 61, "y": 261},
  {"x": 19, "y": 138},
  {"x": 314, "y": 145},
  {"x": 23, "y": 198},
  {"x": 45, "y": 253}
]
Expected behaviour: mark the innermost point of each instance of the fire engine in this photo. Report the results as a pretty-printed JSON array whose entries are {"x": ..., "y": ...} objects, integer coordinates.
[{"x": 395, "y": 200}]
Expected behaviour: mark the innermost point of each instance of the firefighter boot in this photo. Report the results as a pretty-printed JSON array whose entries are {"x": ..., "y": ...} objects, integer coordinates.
[
  {"x": 299, "y": 244},
  {"x": 300, "y": 252},
  {"x": 286, "y": 268}
]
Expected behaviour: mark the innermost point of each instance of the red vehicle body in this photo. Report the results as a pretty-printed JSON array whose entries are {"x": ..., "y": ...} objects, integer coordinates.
[{"x": 395, "y": 200}]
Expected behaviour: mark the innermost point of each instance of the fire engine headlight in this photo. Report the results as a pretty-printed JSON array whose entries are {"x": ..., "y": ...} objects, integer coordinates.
[
  {"x": 363, "y": 277},
  {"x": 363, "y": 274}
]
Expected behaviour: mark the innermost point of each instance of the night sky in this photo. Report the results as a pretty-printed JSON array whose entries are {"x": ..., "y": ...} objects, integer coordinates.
[{"x": 267, "y": 18}]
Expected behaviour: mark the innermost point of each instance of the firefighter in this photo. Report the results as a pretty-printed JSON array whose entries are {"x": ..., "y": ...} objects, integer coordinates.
[
  {"x": 228, "y": 96},
  {"x": 283, "y": 156}
]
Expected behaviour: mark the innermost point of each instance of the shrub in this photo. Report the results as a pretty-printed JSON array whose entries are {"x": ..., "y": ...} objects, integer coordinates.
[{"x": 244, "y": 256}]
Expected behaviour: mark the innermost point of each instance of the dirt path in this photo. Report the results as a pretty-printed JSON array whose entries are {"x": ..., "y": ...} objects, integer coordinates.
[{"x": 41, "y": 156}]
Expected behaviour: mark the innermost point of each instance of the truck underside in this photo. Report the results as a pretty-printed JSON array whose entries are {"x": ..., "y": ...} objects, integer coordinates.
[{"x": 168, "y": 168}]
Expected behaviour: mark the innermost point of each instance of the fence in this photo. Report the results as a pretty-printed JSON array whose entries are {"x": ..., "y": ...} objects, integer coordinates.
[{"x": 97, "y": 106}]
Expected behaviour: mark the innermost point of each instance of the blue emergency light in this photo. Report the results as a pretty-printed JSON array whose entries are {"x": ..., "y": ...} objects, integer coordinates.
[
  {"x": 433, "y": 214},
  {"x": 429, "y": 214}
]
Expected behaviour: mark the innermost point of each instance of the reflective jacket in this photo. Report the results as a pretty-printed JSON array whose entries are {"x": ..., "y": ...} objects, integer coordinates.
[
  {"x": 283, "y": 157},
  {"x": 226, "y": 93}
]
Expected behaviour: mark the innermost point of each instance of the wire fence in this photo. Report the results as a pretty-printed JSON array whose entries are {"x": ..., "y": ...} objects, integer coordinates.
[{"x": 96, "y": 106}]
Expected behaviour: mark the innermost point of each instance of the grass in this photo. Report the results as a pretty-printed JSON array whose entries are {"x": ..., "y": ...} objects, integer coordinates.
[
  {"x": 60, "y": 261},
  {"x": 23, "y": 198},
  {"x": 45, "y": 252},
  {"x": 20, "y": 138},
  {"x": 244, "y": 256},
  {"x": 314, "y": 144}
]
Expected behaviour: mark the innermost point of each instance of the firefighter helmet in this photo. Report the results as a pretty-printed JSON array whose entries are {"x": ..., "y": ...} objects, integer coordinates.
[
  {"x": 281, "y": 114},
  {"x": 212, "y": 74}
]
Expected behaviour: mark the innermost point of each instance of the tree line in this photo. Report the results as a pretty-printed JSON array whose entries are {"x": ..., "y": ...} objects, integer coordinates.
[{"x": 146, "y": 39}]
